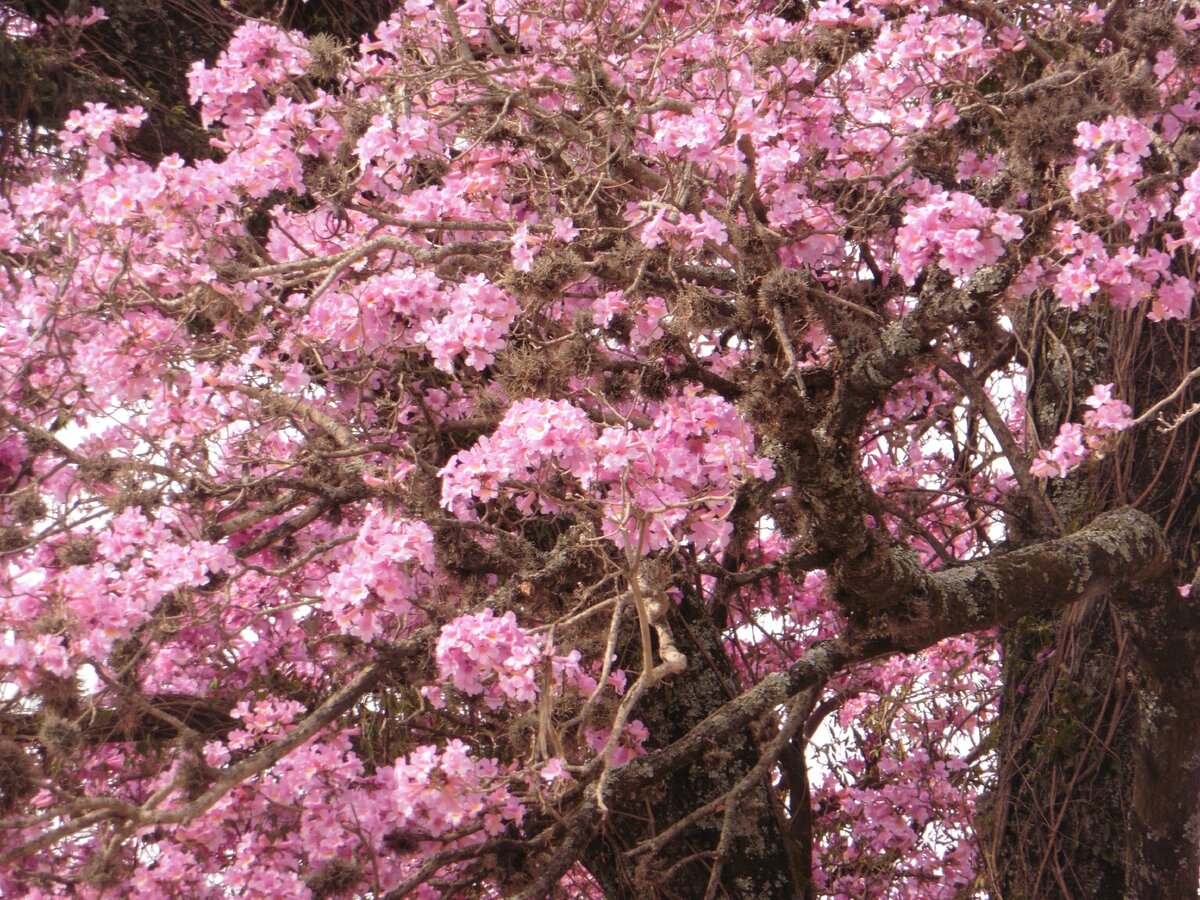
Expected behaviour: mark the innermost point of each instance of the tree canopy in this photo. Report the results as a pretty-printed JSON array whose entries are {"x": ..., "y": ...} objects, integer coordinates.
[{"x": 599, "y": 448}]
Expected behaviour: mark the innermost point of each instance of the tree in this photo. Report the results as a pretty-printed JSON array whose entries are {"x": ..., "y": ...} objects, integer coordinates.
[{"x": 599, "y": 449}]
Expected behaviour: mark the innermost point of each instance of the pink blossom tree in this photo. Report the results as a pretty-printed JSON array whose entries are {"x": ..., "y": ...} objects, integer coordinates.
[{"x": 627, "y": 449}]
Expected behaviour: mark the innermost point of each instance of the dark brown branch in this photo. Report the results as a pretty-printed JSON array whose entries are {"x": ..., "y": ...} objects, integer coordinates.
[
  {"x": 942, "y": 306},
  {"x": 1120, "y": 547}
]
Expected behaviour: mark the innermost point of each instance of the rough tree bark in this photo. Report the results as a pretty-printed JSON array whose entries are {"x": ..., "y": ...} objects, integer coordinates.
[
  {"x": 757, "y": 861},
  {"x": 1099, "y": 735}
]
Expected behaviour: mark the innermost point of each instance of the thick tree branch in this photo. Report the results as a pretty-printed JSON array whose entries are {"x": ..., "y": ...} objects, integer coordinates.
[
  {"x": 942, "y": 306},
  {"x": 1120, "y": 547}
]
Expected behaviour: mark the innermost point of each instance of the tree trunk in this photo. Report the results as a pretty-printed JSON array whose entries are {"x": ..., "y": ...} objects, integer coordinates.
[
  {"x": 1056, "y": 819},
  {"x": 755, "y": 858},
  {"x": 1098, "y": 742}
]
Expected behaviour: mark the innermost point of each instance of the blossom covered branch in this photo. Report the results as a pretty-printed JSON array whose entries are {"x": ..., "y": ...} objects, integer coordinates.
[{"x": 441, "y": 473}]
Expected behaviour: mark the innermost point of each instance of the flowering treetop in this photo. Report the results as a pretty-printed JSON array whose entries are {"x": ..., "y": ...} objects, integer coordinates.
[{"x": 521, "y": 413}]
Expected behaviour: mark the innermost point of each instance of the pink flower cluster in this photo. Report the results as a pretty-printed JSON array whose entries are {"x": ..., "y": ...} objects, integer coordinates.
[
  {"x": 139, "y": 564},
  {"x": 390, "y": 563},
  {"x": 1188, "y": 209},
  {"x": 1111, "y": 162},
  {"x": 482, "y": 654},
  {"x": 474, "y": 320},
  {"x": 1127, "y": 277},
  {"x": 696, "y": 137},
  {"x": 681, "y": 231},
  {"x": 532, "y": 436},
  {"x": 1075, "y": 443},
  {"x": 892, "y": 816},
  {"x": 647, "y": 312},
  {"x": 260, "y": 56},
  {"x": 442, "y": 792},
  {"x": 407, "y": 308},
  {"x": 266, "y": 719},
  {"x": 954, "y": 230},
  {"x": 657, "y": 485},
  {"x": 94, "y": 127},
  {"x": 907, "y": 795},
  {"x": 630, "y": 746},
  {"x": 390, "y": 144},
  {"x": 482, "y": 647}
]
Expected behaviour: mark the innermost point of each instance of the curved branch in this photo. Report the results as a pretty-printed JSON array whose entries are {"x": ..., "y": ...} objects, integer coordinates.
[{"x": 1120, "y": 547}]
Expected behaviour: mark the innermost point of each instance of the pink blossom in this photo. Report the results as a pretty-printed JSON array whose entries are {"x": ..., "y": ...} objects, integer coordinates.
[
  {"x": 564, "y": 230},
  {"x": 481, "y": 651},
  {"x": 523, "y": 249}
]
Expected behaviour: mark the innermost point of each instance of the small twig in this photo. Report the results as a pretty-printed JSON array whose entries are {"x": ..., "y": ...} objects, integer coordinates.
[
  {"x": 1042, "y": 508},
  {"x": 1180, "y": 419},
  {"x": 789, "y": 353},
  {"x": 1162, "y": 404}
]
